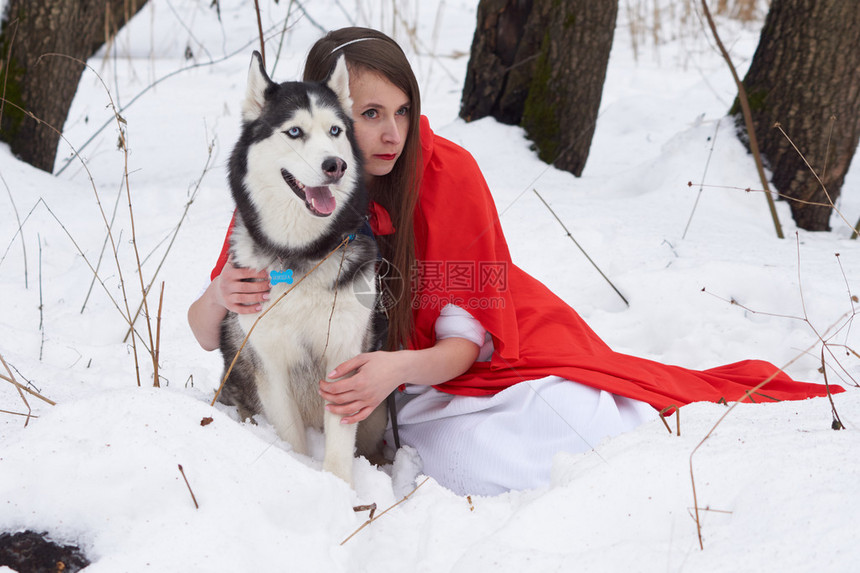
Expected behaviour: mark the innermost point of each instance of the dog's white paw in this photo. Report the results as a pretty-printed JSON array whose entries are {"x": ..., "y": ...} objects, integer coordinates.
[{"x": 340, "y": 467}]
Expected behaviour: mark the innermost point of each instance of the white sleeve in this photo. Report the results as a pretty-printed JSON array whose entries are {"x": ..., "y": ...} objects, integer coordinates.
[{"x": 455, "y": 322}]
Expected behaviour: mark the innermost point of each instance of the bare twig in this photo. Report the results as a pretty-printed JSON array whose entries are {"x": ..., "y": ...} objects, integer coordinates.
[
  {"x": 821, "y": 337},
  {"x": 121, "y": 127},
  {"x": 143, "y": 292},
  {"x": 190, "y": 31},
  {"x": 745, "y": 108},
  {"x": 10, "y": 378},
  {"x": 145, "y": 90},
  {"x": 157, "y": 349},
  {"x": 206, "y": 169},
  {"x": 309, "y": 18},
  {"x": 8, "y": 60},
  {"x": 704, "y": 174},
  {"x": 260, "y": 28},
  {"x": 837, "y": 421},
  {"x": 334, "y": 300},
  {"x": 369, "y": 507},
  {"x": 18, "y": 387},
  {"x": 827, "y": 147},
  {"x": 28, "y": 415},
  {"x": 102, "y": 251},
  {"x": 265, "y": 312},
  {"x": 119, "y": 121},
  {"x": 708, "y": 435},
  {"x": 751, "y": 190},
  {"x": 282, "y": 36},
  {"x": 563, "y": 226},
  {"x": 41, "y": 304},
  {"x": 188, "y": 485},
  {"x": 85, "y": 259},
  {"x": 830, "y": 202},
  {"x": 666, "y": 411},
  {"x": 20, "y": 227},
  {"x": 372, "y": 519}
]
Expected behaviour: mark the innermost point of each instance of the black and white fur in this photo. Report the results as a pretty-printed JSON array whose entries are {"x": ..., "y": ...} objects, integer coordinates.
[{"x": 296, "y": 177}]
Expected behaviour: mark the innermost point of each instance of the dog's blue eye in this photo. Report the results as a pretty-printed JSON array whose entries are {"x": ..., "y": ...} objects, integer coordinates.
[
  {"x": 294, "y": 132},
  {"x": 335, "y": 130}
]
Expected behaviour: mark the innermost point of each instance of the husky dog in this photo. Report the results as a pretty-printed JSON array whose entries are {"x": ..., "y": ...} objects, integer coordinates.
[{"x": 296, "y": 178}]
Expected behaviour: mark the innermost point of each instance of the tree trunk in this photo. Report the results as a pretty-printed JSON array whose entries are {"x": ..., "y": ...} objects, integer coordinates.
[
  {"x": 805, "y": 76},
  {"x": 541, "y": 64},
  {"x": 43, "y": 84}
]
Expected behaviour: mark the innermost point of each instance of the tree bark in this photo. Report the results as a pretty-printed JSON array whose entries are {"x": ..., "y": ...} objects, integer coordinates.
[
  {"x": 805, "y": 76},
  {"x": 541, "y": 64},
  {"x": 42, "y": 84}
]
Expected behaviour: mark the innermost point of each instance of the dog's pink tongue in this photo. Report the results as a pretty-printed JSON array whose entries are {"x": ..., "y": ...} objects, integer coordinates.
[{"x": 321, "y": 199}]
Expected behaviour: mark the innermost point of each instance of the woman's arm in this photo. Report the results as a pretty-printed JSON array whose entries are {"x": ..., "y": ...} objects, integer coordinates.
[
  {"x": 236, "y": 289},
  {"x": 377, "y": 374}
]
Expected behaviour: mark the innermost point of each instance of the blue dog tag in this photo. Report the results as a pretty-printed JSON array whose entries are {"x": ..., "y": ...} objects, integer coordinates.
[{"x": 281, "y": 277}]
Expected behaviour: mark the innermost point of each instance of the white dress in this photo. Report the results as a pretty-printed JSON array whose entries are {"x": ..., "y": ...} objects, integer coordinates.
[{"x": 488, "y": 445}]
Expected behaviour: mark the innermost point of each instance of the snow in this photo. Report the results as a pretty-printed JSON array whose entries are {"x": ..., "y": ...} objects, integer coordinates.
[{"x": 774, "y": 483}]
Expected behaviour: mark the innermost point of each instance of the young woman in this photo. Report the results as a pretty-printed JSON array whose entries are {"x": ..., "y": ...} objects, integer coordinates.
[{"x": 493, "y": 373}]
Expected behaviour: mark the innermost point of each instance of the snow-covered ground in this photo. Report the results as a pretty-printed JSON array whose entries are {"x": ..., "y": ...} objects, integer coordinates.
[{"x": 776, "y": 486}]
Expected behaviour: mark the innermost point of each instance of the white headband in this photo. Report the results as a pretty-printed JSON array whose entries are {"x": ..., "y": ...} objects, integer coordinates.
[{"x": 345, "y": 44}]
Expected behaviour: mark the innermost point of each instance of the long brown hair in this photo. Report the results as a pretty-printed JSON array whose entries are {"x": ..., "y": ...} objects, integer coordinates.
[{"x": 371, "y": 50}]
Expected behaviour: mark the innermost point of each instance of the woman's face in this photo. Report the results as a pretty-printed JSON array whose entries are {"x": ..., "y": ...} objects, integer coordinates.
[{"x": 381, "y": 113}]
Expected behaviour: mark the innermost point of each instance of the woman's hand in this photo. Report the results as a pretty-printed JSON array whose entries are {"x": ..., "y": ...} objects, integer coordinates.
[
  {"x": 241, "y": 290},
  {"x": 227, "y": 291},
  {"x": 376, "y": 375}
]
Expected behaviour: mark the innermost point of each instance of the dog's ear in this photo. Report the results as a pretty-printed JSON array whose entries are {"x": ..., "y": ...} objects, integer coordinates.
[
  {"x": 258, "y": 82},
  {"x": 338, "y": 82}
]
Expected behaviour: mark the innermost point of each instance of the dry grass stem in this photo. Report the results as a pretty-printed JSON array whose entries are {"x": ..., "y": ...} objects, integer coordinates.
[
  {"x": 830, "y": 202},
  {"x": 708, "y": 435},
  {"x": 13, "y": 23},
  {"x": 188, "y": 485},
  {"x": 837, "y": 421},
  {"x": 20, "y": 230},
  {"x": 9, "y": 377},
  {"x": 372, "y": 519},
  {"x": 41, "y": 304},
  {"x": 157, "y": 350},
  {"x": 260, "y": 28},
  {"x": 667, "y": 411},
  {"x": 239, "y": 50},
  {"x": 704, "y": 174},
  {"x": 18, "y": 387},
  {"x": 821, "y": 338},
  {"x": 371, "y": 508},
  {"x": 854, "y": 229},
  {"x": 121, "y": 125},
  {"x": 265, "y": 312},
  {"x": 28, "y": 415},
  {"x": 334, "y": 300},
  {"x": 206, "y": 168},
  {"x": 120, "y": 121},
  {"x": 84, "y": 258},
  {"x": 745, "y": 108},
  {"x": 575, "y": 242},
  {"x": 282, "y": 36},
  {"x": 752, "y": 190},
  {"x": 102, "y": 251}
]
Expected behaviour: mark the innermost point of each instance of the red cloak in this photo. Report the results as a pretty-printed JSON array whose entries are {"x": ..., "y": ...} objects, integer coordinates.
[{"x": 463, "y": 259}]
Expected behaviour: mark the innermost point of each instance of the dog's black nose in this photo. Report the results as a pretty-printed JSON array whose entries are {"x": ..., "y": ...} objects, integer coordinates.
[{"x": 334, "y": 167}]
